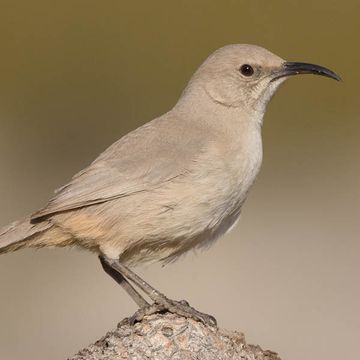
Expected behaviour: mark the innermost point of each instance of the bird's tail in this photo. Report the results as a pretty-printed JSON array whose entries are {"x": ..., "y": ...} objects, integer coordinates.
[{"x": 23, "y": 233}]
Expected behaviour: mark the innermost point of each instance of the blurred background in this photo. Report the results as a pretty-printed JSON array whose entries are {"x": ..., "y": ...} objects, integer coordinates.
[{"x": 77, "y": 75}]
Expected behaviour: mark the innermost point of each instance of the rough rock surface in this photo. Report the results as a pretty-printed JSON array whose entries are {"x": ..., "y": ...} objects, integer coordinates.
[{"x": 167, "y": 336}]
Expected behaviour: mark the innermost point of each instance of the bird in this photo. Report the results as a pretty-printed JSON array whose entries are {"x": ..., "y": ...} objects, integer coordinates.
[{"x": 175, "y": 183}]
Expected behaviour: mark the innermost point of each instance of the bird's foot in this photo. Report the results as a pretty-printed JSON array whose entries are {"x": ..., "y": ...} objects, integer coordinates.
[{"x": 181, "y": 308}]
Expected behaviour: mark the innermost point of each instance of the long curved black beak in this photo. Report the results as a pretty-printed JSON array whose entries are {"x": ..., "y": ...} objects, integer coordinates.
[{"x": 295, "y": 68}]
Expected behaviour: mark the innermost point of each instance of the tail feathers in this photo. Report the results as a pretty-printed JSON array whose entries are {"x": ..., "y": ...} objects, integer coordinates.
[{"x": 21, "y": 234}]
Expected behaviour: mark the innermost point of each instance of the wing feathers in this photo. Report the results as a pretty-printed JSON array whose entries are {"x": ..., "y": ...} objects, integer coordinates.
[{"x": 140, "y": 161}]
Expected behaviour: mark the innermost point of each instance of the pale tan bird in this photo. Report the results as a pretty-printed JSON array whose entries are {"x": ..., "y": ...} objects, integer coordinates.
[{"x": 176, "y": 183}]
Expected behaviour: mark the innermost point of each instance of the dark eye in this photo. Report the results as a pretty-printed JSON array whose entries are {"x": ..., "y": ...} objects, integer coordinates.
[{"x": 246, "y": 70}]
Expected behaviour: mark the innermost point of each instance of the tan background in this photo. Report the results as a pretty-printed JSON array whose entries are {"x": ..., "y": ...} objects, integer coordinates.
[{"x": 77, "y": 75}]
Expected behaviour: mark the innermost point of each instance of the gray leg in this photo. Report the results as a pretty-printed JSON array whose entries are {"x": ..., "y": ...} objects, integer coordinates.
[
  {"x": 140, "y": 301},
  {"x": 161, "y": 302}
]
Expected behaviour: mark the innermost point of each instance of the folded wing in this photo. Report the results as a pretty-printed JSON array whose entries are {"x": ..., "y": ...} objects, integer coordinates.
[{"x": 140, "y": 161}]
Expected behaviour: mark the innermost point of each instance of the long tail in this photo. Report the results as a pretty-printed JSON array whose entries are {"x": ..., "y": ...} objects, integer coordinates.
[{"x": 23, "y": 233}]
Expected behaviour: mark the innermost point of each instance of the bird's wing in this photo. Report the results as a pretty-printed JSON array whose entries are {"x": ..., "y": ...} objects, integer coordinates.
[{"x": 139, "y": 161}]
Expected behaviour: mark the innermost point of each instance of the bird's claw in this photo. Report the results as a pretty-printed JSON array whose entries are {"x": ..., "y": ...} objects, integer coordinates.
[
  {"x": 181, "y": 308},
  {"x": 146, "y": 311}
]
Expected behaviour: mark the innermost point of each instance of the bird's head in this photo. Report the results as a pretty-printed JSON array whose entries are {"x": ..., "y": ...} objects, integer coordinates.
[{"x": 248, "y": 75}]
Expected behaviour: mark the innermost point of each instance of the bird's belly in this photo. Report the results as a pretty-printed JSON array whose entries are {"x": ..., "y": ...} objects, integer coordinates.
[{"x": 203, "y": 215}]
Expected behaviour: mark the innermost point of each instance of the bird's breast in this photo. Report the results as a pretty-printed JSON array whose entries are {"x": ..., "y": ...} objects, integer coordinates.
[
  {"x": 243, "y": 160},
  {"x": 233, "y": 170}
]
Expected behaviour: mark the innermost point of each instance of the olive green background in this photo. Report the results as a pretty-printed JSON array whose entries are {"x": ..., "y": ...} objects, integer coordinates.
[{"x": 77, "y": 75}]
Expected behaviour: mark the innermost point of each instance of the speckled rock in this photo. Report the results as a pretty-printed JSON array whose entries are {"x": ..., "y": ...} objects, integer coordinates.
[{"x": 167, "y": 336}]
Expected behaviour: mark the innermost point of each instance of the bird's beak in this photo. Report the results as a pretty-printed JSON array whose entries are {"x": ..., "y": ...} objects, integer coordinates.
[{"x": 295, "y": 68}]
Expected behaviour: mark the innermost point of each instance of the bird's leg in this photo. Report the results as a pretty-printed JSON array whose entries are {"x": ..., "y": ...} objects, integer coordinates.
[
  {"x": 140, "y": 301},
  {"x": 161, "y": 302}
]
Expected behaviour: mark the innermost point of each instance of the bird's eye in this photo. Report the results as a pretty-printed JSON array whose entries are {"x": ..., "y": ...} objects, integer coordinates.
[{"x": 246, "y": 70}]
